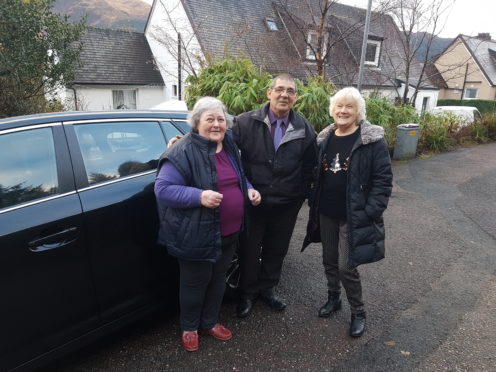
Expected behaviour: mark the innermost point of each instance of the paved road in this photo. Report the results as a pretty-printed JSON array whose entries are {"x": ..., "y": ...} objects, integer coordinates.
[{"x": 431, "y": 303}]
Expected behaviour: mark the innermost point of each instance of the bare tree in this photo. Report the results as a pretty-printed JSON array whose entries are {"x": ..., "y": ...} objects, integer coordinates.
[
  {"x": 321, "y": 35},
  {"x": 178, "y": 40},
  {"x": 419, "y": 23}
]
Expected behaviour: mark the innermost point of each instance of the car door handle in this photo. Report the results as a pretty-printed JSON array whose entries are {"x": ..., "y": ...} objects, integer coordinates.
[{"x": 53, "y": 241}]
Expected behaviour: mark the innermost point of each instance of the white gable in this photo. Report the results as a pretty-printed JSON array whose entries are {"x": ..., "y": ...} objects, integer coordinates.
[{"x": 168, "y": 19}]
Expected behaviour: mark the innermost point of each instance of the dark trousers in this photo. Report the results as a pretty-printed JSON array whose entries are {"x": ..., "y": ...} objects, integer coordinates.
[
  {"x": 264, "y": 245},
  {"x": 202, "y": 286},
  {"x": 335, "y": 252}
]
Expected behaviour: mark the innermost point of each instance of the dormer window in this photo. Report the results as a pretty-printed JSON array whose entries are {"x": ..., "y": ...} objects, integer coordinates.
[
  {"x": 271, "y": 24},
  {"x": 372, "y": 53}
]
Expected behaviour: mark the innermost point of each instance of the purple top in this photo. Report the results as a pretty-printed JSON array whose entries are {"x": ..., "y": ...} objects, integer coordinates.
[
  {"x": 273, "y": 121},
  {"x": 232, "y": 205},
  {"x": 171, "y": 189}
]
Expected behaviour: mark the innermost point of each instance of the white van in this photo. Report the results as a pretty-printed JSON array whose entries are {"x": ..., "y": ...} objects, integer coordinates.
[{"x": 467, "y": 114}]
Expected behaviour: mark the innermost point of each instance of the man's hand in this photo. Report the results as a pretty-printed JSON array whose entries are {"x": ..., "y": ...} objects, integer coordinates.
[
  {"x": 210, "y": 198},
  {"x": 173, "y": 140},
  {"x": 254, "y": 197}
]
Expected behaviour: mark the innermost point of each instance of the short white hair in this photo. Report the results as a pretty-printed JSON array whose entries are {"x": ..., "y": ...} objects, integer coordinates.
[
  {"x": 349, "y": 93},
  {"x": 204, "y": 104}
]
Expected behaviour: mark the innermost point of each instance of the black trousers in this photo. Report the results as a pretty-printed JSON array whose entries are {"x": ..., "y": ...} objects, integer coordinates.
[
  {"x": 264, "y": 245},
  {"x": 202, "y": 286}
]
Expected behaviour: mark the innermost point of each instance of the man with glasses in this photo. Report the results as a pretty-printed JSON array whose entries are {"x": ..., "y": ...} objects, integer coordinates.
[{"x": 278, "y": 152}]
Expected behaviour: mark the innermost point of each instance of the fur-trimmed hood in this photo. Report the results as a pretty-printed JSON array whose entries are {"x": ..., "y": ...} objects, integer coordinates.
[{"x": 368, "y": 132}]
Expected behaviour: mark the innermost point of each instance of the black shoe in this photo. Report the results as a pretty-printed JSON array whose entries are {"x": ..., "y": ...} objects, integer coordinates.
[
  {"x": 333, "y": 304},
  {"x": 244, "y": 307},
  {"x": 273, "y": 302},
  {"x": 357, "y": 325}
]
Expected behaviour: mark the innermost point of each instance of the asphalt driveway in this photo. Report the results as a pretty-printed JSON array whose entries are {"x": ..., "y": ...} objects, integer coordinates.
[{"x": 430, "y": 304}]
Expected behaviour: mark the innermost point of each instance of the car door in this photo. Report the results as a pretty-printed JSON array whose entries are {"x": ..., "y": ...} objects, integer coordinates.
[
  {"x": 115, "y": 184},
  {"x": 47, "y": 293}
]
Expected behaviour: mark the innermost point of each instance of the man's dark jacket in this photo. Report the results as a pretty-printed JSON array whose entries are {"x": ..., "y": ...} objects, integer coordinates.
[
  {"x": 369, "y": 186},
  {"x": 193, "y": 234},
  {"x": 281, "y": 176}
]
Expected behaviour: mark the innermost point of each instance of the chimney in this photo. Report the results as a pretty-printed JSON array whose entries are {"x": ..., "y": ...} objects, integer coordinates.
[{"x": 486, "y": 36}]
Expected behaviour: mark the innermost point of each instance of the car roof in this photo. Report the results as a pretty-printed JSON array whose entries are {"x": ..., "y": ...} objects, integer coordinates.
[{"x": 89, "y": 115}]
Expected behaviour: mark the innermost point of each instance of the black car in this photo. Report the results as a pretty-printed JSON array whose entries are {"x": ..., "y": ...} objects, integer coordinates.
[{"x": 78, "y": 227}]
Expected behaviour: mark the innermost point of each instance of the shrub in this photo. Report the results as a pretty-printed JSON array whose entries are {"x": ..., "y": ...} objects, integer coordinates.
[
  {"x": 435, "y": 133},
  {"x": 383, "y": 113},
  {"x": 313, "y": 102},
  {"x": 484, "y": 130},
  {"x": 235, "y": 81}
]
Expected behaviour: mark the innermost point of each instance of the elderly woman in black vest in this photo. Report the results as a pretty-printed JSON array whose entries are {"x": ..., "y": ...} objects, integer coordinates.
[
  {"x": 352, "y": 189},
  {"x": 201, "y": 191}
]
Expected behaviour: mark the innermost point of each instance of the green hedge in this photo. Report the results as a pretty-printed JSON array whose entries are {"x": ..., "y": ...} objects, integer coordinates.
[{"x": 483, "y": 105}]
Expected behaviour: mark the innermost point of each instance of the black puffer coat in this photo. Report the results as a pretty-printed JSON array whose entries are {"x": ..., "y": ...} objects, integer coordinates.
[{"x": 367, "y": 194}]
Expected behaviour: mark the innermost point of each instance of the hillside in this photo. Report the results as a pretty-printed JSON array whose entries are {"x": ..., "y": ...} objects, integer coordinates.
[
  {"x": 438, "y": 45},
  {"x": 115, "y": 14}
]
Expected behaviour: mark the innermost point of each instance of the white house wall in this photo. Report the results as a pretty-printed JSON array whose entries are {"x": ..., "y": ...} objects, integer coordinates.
[
  {"x": 100, "y": 98},
  {"x": 160, "y": 24},
  {"x": 391, "y": 94}
]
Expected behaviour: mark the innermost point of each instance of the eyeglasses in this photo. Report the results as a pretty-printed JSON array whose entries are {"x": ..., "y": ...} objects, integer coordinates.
[{"x": 289, "y": 91}]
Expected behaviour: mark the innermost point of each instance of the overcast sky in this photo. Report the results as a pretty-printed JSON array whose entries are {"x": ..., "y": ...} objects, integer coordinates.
[{"x": 468, "y": 17}]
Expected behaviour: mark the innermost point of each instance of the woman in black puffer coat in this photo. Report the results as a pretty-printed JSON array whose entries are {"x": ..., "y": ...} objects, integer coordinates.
[{"x": 352, "y": 187}]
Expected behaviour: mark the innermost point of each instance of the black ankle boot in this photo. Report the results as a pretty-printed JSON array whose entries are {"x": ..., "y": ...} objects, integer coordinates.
[
  {"x": 357, "y": 325},
  {"x": 333, "y": 304}
]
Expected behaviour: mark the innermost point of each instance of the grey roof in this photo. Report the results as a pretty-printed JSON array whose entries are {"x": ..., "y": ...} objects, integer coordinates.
[
  {"x": 239, "y": 27},
  {"x": 484, "y": 52},
  {"x": 116, "y": 58}
]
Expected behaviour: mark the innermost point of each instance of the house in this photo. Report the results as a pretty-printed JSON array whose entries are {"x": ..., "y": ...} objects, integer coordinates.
[
  {"x": 278, "y": 37},
  {"x": 468, "y": 68},
  {"x": 117, "y": 72}
]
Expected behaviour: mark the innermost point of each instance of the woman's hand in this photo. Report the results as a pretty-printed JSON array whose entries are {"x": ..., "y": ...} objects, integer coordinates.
[
  {"x": 254, "y": 197},
  {"x": 210, "y": 198}
]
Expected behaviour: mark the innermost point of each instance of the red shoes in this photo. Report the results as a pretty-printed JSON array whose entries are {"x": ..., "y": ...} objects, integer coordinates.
[
  {"x": 190, "y": 340},
  {"x": 219, "y": 332}
]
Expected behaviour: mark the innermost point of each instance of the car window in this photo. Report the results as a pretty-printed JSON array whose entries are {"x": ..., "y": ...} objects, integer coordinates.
[
  {"x": 170, "y": 130},
  {"x": 183, "y": 125},
  {"x": 114, "y": 150},
  {"x": 28, "y": 167}
]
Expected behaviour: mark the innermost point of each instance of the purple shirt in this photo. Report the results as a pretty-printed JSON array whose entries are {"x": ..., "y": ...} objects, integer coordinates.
[
  {"x": 273, "y": 123},
  {"x": 232, "y": 205}
]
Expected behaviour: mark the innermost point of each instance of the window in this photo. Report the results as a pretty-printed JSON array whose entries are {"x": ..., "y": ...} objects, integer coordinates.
[
  {"x": 124, "y": 99},
  {"x": 183, "y": 125},
  {"x": 115, "y": 150},
  {"x": 471, "y": 93},
  {"x": 373, "y": 52},
  {"x": 28, "y": 166},
  {"x": 271, "y": 24},
  {"x": 174, "y": 90},
  {"x": 312, "y": 42},
  {"x": 425, "y": 103},
  {"x": 170, "y": 130}
]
